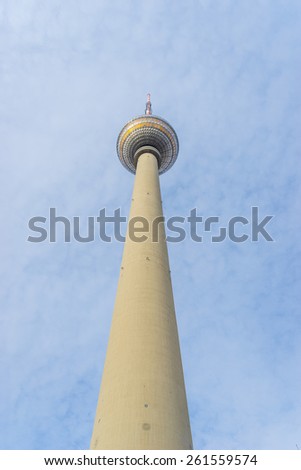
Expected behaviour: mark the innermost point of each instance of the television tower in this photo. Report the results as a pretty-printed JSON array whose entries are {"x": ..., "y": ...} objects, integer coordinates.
[{"x": 142, "y": 401}]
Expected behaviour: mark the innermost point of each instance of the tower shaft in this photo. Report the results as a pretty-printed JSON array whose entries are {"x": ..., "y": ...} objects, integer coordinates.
[{"x": 142, "y": 401}]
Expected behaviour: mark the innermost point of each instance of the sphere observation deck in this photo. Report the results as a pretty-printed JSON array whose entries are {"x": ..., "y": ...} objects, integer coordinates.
[{"x": 148, "y": 131}]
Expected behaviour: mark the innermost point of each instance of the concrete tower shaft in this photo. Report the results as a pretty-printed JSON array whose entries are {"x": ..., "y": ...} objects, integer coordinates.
[{"x": 142, "y": 401}]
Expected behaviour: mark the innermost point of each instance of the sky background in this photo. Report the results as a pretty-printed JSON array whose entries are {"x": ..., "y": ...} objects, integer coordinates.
[{"x": 226, "y": 74}]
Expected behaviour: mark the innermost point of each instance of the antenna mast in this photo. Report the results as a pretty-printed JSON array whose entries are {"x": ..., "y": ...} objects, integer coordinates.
[{"x": 148, "y": 109}]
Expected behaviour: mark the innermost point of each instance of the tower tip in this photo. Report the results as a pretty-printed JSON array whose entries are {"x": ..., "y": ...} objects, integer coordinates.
[{"x": 148, "y": 109}]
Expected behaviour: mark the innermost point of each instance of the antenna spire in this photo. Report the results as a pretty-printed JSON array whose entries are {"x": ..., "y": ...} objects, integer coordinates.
[{"x": 148, "y": 109}]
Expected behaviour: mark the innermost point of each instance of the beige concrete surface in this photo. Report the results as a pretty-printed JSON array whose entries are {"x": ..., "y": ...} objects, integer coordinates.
[{"x": 142, "y": 401}]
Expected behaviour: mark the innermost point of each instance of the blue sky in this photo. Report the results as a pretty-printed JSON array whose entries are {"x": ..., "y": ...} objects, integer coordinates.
[{"x": 226, "y": 75}]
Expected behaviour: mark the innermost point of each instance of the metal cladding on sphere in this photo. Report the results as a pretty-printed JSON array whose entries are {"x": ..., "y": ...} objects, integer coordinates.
[{"x": 148, "y": 131}]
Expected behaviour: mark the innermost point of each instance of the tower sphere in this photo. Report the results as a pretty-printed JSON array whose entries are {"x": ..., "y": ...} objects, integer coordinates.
[{"x": 154, "y": 134}]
